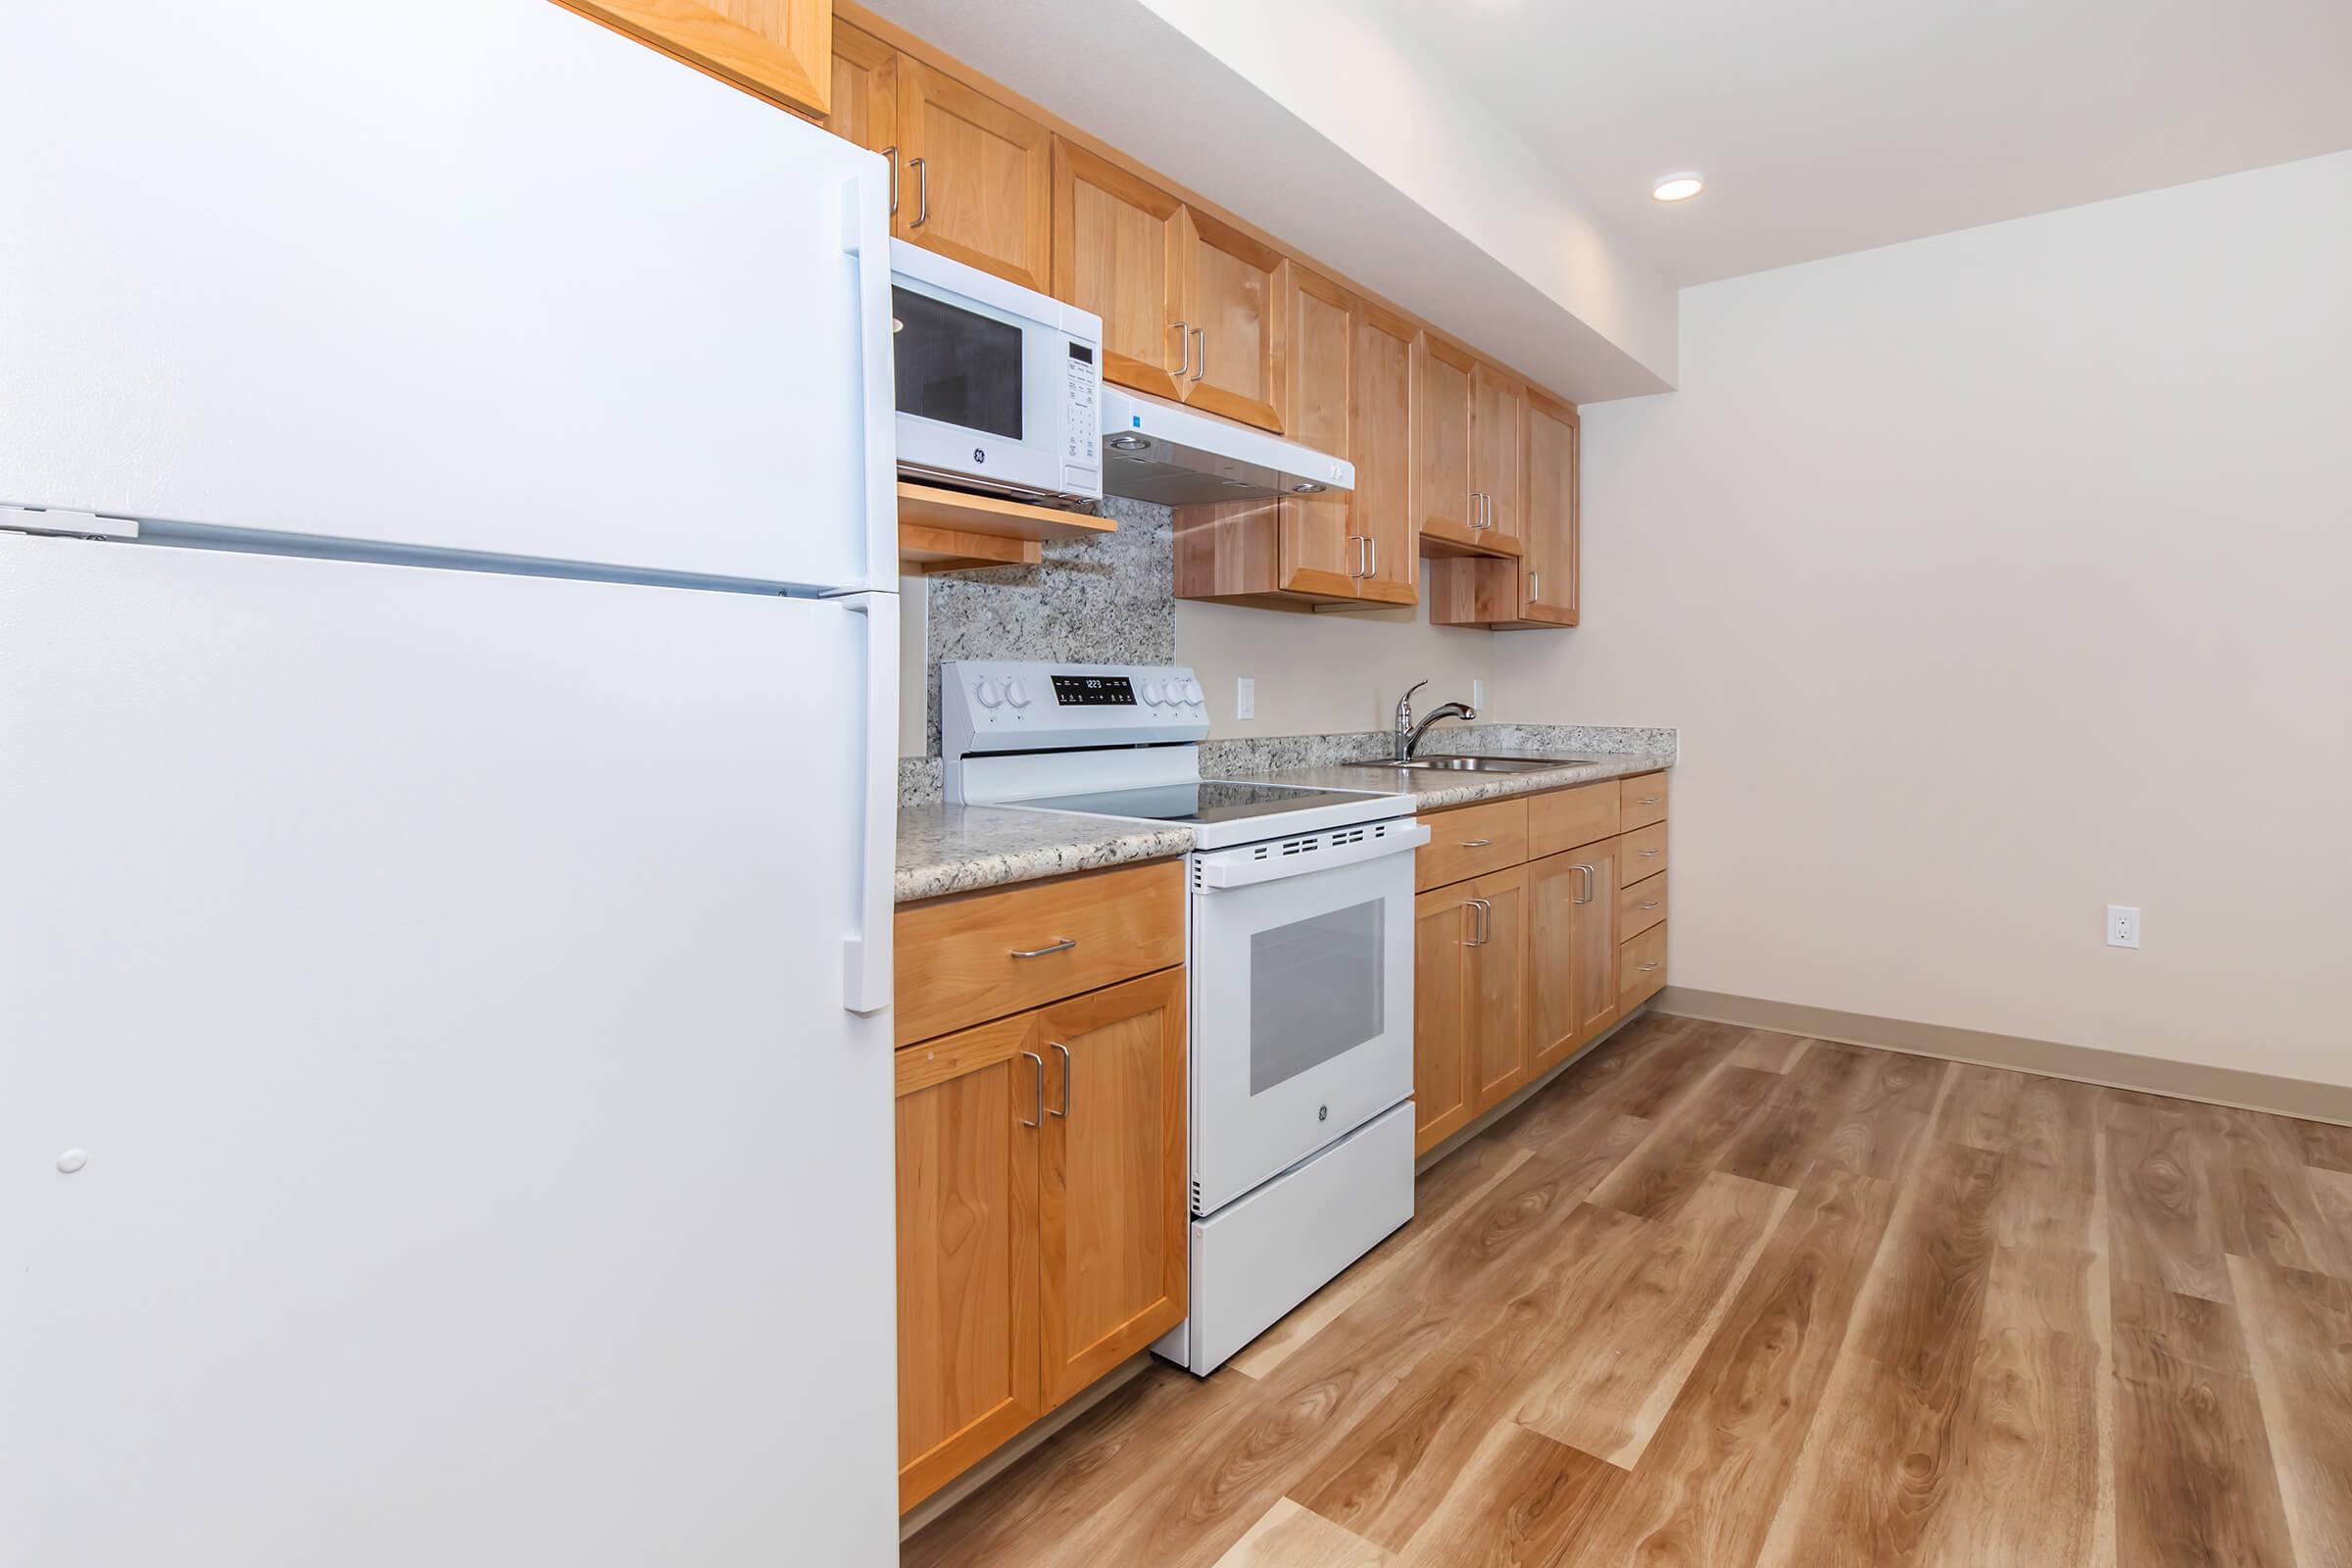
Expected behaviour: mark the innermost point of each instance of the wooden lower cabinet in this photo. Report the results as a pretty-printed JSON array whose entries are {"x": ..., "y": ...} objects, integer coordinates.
[
  {"x": 1572, "y": 950},
  {"x": 1041, "y": 1215},
  {"x": 1470, "y": 957},
  {"x": 1520, "y": 967}
]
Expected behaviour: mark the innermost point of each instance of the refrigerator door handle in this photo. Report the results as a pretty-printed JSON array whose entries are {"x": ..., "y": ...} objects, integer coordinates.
[
  {"x": 868, "y": 959},
  {"x": 865, "y": 234}
]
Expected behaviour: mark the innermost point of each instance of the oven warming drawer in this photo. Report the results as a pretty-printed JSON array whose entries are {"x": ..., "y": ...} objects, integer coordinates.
[{"x": 1271, "y": 1248}]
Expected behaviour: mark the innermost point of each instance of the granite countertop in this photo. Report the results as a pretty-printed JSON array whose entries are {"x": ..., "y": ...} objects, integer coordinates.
[{"x": 956, "y": 849}]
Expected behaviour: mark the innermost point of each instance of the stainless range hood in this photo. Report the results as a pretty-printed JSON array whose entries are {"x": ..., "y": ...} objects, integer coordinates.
[{"x": 1158, "y": 451}]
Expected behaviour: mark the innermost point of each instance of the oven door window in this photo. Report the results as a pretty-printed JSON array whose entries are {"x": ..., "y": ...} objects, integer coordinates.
[
  {"x": 1315, "y": 991},
  {"x": 957, "y": 366}
]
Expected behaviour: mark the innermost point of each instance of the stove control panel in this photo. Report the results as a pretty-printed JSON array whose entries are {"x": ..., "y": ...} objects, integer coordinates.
[{"x": 998, "y": 704}]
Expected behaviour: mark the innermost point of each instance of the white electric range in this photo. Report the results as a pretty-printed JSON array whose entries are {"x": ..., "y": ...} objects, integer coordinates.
[{"x": 1301, "y": 978}]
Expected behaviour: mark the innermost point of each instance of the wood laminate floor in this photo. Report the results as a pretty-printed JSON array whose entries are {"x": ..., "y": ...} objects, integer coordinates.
[{"x": 1725, "y": 1298}]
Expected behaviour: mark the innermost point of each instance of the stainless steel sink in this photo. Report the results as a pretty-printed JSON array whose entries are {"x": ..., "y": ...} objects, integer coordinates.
[{"x": 1481, "y": 765}]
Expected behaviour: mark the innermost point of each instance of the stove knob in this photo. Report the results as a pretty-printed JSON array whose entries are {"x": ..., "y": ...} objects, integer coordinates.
[
  {"x": 987, "y": 693},
  {"x": 1191, "y": 691},
  {"x": 1152, "y": 693},
  {"x": 1016, "y": 694}
]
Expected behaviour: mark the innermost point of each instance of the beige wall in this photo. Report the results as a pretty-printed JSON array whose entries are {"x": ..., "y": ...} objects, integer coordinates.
[
  {"x": 1332, "y": 672},
  {"x": 1994, "y": 578}
]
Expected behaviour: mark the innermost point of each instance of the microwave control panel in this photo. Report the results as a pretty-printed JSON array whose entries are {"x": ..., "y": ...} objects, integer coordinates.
[{"x": 1081, "y": 435}]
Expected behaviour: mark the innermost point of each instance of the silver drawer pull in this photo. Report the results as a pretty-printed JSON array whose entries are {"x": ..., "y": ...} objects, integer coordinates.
[
  {"x": 1649, "y": 855},
  {"x": 1651, "y": 904},
  {"x": 1064, "y": 946},
  {"x": 1649, "y": 799},
  {"x": 1645, "y": 969},
  {"x": 1476, "y": 844}
]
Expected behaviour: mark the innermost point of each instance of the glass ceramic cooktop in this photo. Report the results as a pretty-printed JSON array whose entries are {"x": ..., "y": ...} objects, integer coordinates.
[{"x": 1208, "y": 801}]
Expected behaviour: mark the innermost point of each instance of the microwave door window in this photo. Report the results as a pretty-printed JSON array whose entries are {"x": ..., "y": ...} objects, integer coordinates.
[
  {"x": 957, "y": 366},
  {"x": 1315, "y": 991}
]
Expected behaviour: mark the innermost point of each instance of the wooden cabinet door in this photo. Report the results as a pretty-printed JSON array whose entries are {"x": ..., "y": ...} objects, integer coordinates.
[
  {"x": 1497, "y": 431},
  {"x": 1548, "y": 583},
  {"x": 969, "y": 1126},
  {"x": 1236, "y": 299},
  {"x": 1118, "y": 250},
  {"x": 1572, "y": 949},
  {"x": 779, "y": 49},
  {"x": 1495, "y": 987},
  {"x": 1113, "y": 1186},
  {"x": 1380, "y": 445},
  {"x": 1443, "y": 921},
  {"x": 865, "y": 97},
  {"x": 1442, "y": 505},
  {"x": 975, "y": 179},
  {"x": 1321, "y": 550}
]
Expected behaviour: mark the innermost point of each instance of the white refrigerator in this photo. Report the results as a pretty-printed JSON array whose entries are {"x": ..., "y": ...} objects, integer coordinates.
[{"x": 448, "y": 696}]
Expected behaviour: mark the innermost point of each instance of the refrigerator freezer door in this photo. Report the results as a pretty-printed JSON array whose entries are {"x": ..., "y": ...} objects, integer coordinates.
[
  {"x": 439, "y": 975},
  {"x": 455, "y": 275}
]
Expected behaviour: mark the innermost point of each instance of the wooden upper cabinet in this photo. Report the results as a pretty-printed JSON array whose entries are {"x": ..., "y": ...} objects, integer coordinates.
[
  {"x": 1552, "y": 560},
  {"x": 865, "y": 96},
  {"x": 975, "y": 178},
  {"x": 1112, "y": 1211},
  {"x": 1442, "y": 511},
  {"x": 778, "y": 49},
  {"x": 1381, "y": 429},
  {"x": 969, "y": 1129},
  {"x": 1497, "y": 431},
  {"x": 1322, "y": 550},
  {"x": 1236, "y": 310},
  {"x": 1119, "y": 252}
]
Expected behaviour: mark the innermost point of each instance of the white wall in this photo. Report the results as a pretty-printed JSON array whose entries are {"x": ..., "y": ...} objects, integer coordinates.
[{"x": 1993, "y": 578}]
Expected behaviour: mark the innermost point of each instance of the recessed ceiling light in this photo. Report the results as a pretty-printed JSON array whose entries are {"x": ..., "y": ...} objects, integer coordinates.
[{"x": 1678, "y": 187}]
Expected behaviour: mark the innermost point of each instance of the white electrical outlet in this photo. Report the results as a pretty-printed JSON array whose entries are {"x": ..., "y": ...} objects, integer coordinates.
[
  {"x": 2123, "y": 925},
  {"x": 1245, "y": 697}
]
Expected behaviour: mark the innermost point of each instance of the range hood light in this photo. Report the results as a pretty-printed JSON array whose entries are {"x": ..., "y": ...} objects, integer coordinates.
[
  {"x": 1128, "y": 443},
  {"x": 1306, "y": 489}
]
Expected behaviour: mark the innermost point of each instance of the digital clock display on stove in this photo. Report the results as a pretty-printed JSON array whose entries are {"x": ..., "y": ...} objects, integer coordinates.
[{"x": 1094, "y": 691}]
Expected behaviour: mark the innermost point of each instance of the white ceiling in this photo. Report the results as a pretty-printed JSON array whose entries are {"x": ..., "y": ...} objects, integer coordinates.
[{"x": 1831, "y": 126}]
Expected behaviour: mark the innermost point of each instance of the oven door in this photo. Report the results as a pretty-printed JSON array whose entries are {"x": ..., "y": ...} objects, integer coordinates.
[
  {"x": 981, "y": 381},
  {"x": 1302, "y": 998}
]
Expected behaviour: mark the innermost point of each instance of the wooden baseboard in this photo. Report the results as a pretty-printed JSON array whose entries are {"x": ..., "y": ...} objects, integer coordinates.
[{"x": 2112, "y": 1069}]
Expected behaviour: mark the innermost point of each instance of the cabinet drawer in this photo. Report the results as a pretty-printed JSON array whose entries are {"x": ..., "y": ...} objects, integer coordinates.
[
  {"x": 958, "y": 957},
  {"x": 1641, "y": 906},
  {"x": 1471, "y": 841},
  {"x": 1641, "y": 967},
  {"x": 1642, "y": 853},
  {"x": 1567, "y": 819},
  {"x": 1641, "y": 801}
]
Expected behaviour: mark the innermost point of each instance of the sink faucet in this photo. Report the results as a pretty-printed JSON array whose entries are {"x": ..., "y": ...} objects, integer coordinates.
[{"x": 1408, "y": 733}]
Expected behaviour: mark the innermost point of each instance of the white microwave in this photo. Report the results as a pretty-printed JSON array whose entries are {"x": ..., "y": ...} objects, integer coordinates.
[{"x": 997, "y": 385}]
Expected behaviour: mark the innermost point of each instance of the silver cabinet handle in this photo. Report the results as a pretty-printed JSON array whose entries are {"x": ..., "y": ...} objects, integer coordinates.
[
  {"x": 1065, "y": 1078},
  {"x": 1064, "y": 946},
  {"x": 1372, "y": 565},
  {"x": 1535, "y": 587},
  {"x": 1649, "y": 855},
  {"x": 1037, "y": 1064},
  {"x": 892, "y": 154},
  {"x": 1591, "y": 882},
  {"x": 1651, "y": 904},
  {"x": 922, "y": 192},
  {"x": 1184, "y": 348},
  {"x": 1647, "y": 967},
  {"x": 1476, "y": 844},
  {"x": 1357, "y": 540},
  {"x": 1202, "y": 369},
  {"x": 1648, "y": 800},
  {"x": 1486, "y": 921}
]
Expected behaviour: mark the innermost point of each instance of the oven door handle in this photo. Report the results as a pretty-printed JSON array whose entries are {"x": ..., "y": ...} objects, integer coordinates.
[{"x": 1213, "y": 873}]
